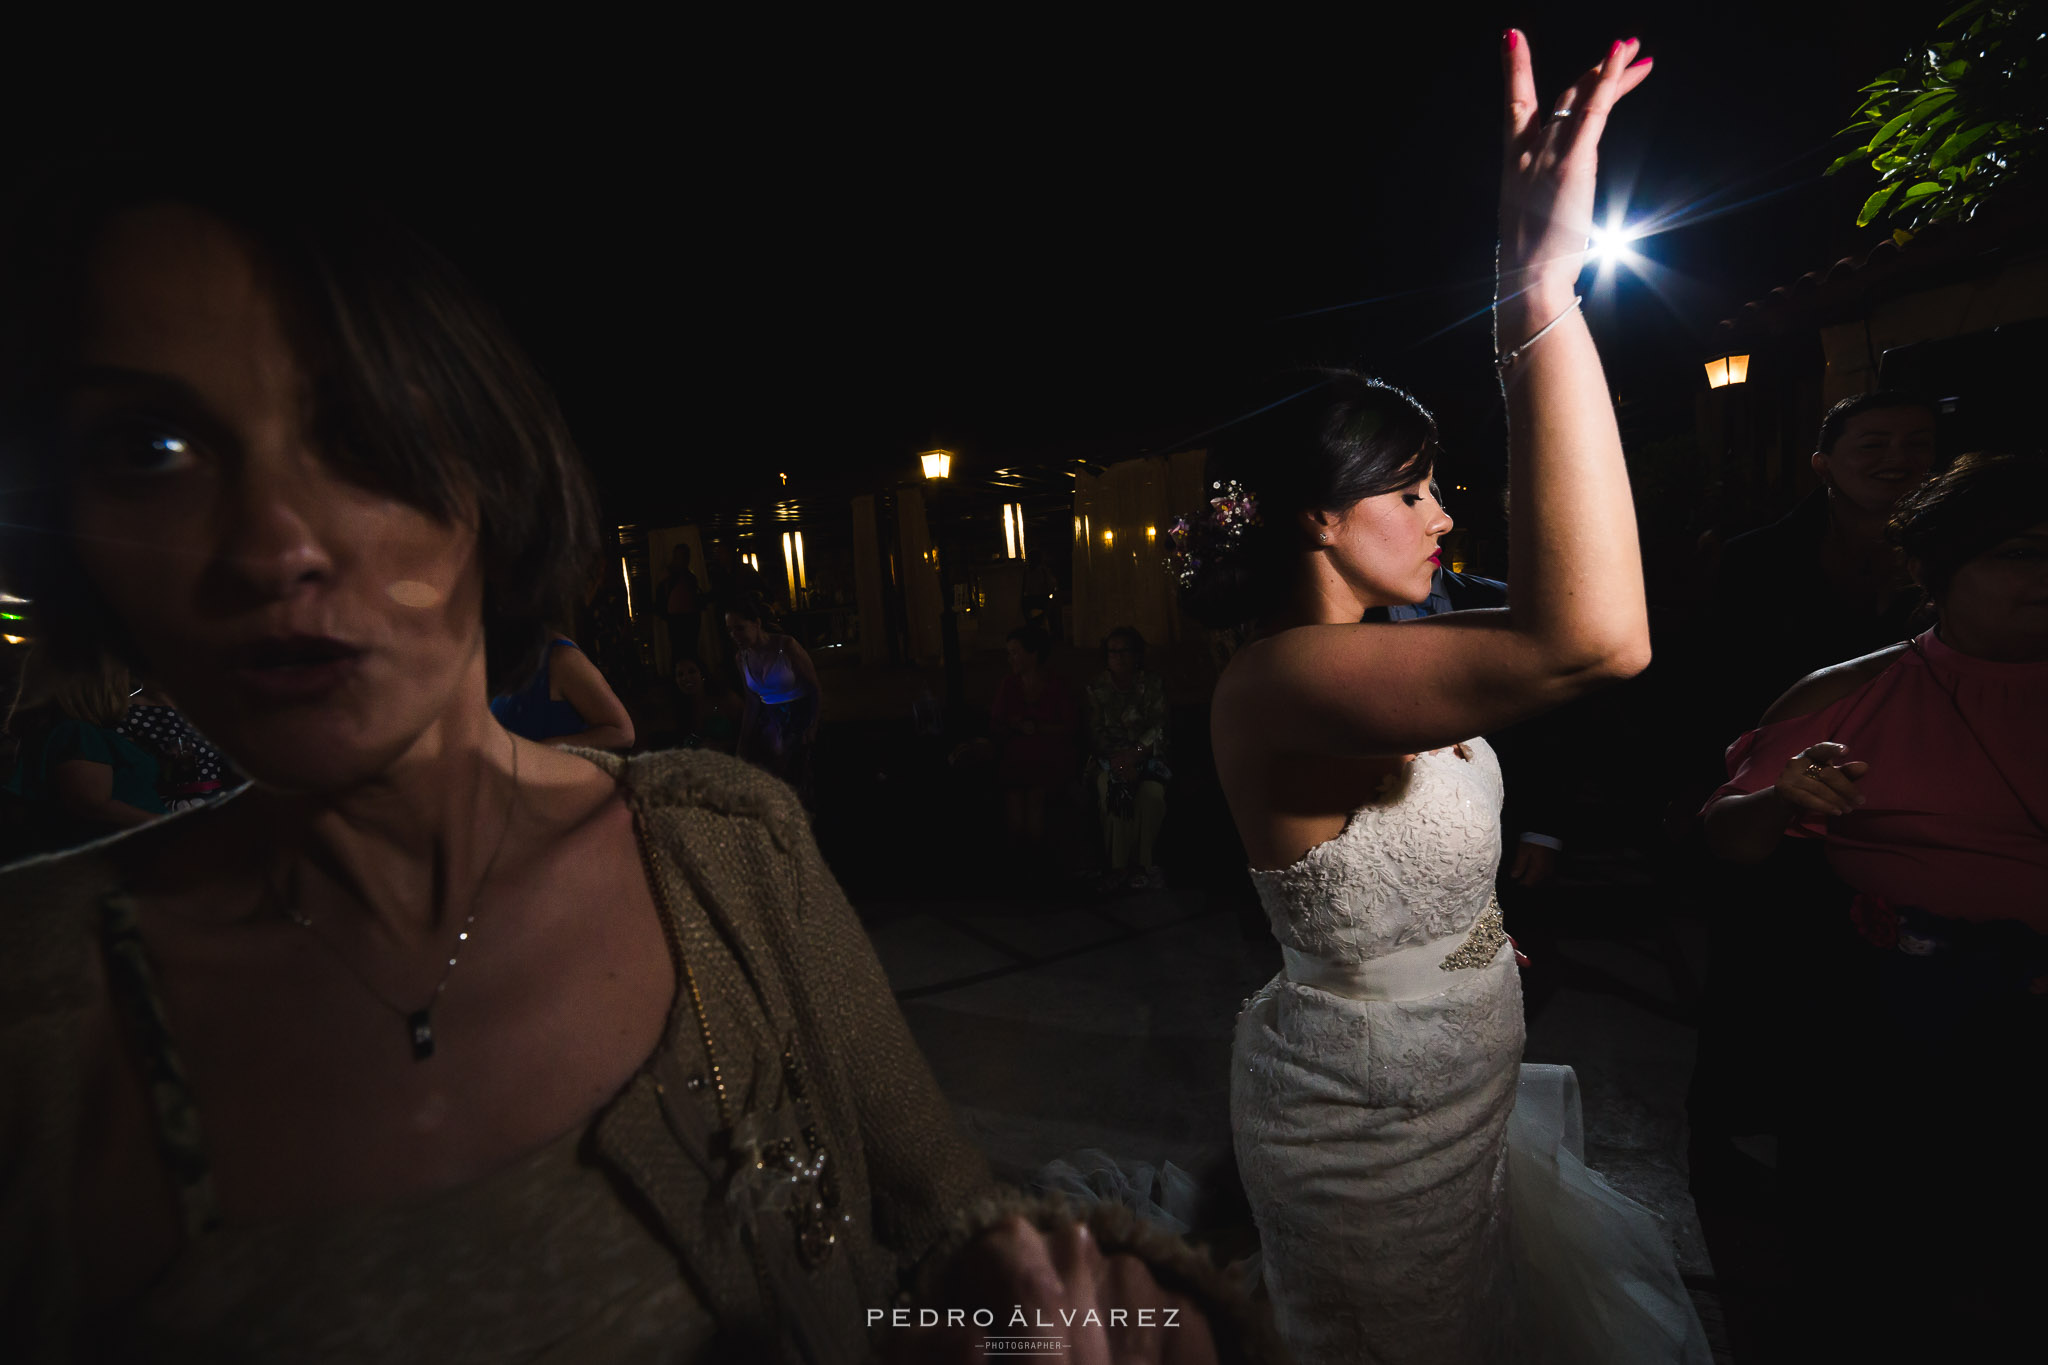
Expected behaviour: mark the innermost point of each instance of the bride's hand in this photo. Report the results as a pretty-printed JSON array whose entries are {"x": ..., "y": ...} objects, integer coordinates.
[{"x": 1547, "y": 182}]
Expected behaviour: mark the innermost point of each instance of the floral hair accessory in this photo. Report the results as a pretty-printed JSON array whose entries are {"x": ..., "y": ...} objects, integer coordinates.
[{"x": 1206, "y": 534}]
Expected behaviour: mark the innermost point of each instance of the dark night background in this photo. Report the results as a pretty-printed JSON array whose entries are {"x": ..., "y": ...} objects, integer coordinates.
[{"x": 814, "y": 249}]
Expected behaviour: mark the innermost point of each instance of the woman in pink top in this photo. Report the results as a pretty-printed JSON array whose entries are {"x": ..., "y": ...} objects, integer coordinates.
[{"x": 1923, "y": 769}]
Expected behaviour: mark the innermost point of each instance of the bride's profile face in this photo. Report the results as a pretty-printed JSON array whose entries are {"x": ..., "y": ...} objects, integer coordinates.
[{"x": 1386, "y": 546}]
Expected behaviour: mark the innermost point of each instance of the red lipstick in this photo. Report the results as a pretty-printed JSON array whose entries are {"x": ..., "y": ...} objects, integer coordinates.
[{"x": 290, "y": 669}]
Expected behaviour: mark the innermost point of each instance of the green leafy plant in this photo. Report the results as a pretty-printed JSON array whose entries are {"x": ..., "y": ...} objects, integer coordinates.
[{"x": 1962, "y": 122}]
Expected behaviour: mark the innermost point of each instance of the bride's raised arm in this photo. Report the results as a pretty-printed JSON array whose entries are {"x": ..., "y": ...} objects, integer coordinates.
[{"x": 1576, "y": 614}]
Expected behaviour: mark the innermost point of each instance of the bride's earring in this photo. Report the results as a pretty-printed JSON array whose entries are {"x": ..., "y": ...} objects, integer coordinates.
[{"x": 1324, "y": 538}]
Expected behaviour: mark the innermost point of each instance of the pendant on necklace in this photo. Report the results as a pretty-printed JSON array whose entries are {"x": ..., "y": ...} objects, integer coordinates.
[{"x": 421, "y": 1023}]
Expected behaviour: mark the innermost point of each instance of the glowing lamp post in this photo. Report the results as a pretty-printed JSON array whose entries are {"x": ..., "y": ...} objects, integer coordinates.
[
  {"x": 1728, "y": 369},
  {"x": 938, "y": 467}
]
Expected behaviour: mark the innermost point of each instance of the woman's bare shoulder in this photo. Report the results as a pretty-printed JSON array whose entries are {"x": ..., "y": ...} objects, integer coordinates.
[{"x": 1821, "y": 689}]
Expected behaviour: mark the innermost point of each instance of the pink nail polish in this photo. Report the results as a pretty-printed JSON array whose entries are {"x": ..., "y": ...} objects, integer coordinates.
[
  {"x": 1640, "y": 61},
  {"x": 1512, "y": 39},
  {"x": 1615, "y": 51}
]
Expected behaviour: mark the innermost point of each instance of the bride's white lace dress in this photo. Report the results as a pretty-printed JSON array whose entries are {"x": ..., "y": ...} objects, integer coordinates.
[{"x": 1409, "y": 1208}]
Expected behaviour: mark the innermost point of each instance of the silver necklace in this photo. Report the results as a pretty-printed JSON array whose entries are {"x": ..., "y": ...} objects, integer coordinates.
[{"x": 419, "y": 1023}]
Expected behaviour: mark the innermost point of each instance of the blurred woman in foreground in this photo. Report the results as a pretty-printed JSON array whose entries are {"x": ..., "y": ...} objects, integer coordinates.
[{"x": 433, "y": 1041}]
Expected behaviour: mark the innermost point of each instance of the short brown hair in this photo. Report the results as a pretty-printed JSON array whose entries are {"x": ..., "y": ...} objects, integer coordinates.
[
  {"x": 1964, "y": 511},
  {"x": 418, "y": 391}
]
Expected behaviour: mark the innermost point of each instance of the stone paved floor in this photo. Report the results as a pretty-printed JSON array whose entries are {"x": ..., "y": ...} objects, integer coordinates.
[{"x": 1058, "y": 1027}]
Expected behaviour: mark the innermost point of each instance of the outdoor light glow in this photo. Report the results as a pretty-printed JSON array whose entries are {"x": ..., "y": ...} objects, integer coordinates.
[
  {"x": 1013, "y": 530},
  {"x": 1108, "y": 537},
  {"x": 784, "y": 478},
  {"x": 626, "y": 577},
  {"x": 15, "y": 639},
  {"x": 1729, "y": 369},
  {"x": 1151, "y": 534},
  {"x": 938, "y": 464}
]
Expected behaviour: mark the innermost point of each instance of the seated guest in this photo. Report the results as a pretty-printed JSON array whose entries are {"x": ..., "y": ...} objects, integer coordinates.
[
  {"x": 707, "y": 715},
  {"x": 784, "y": 699},
  {"x": 566, "y": 702},
  {"x": 1032, "y": 723},
  {"x": 79, "y": 775},
  {"x": 1127, "y": 758},
  {"x": 432, "y": 1042},
  {"x": 1922, "y": 770}
]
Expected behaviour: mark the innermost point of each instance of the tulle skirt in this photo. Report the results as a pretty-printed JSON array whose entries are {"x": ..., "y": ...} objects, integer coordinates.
[
  {"x": 1595, "y": 1280},
  {"x": 1593, "y": 1276}
]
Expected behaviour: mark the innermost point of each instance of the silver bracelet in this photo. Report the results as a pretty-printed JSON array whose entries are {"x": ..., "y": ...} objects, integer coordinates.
[{"x": 1505, "y": 363}]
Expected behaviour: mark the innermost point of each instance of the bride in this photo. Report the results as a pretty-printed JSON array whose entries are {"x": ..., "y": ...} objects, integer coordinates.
[{"x": 1410, "y": 1208}]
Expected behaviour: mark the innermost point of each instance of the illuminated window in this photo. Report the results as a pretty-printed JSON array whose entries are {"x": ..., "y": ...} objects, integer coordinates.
[{"x": 793, "y": 563}]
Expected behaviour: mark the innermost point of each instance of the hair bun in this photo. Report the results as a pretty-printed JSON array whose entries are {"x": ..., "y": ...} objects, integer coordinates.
[{"x": 1360, "y": 438}]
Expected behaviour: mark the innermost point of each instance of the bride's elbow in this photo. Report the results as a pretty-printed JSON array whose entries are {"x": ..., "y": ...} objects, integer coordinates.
[
  {"x": 1626, "y": 660},
  {"x": 1606, "y": 661}
]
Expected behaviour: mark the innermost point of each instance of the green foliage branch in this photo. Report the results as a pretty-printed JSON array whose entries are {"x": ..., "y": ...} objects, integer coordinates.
[{"x": 1962, "y": 122}]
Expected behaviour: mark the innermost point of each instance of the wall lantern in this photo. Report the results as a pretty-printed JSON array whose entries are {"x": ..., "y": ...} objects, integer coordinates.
[
  {"x": 1729, "y": 369},
  {"x": 938, "y": 464},
  {"x": 1108, "y": 538},
  {"x": 1013, "y": 530},
  {"x": 1151, "y": 535}
]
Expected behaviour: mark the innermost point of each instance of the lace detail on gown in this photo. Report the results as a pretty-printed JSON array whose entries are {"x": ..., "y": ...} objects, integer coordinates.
[
  {"x": 1410, "y": 868},
  {"x": 1372, "y": 1134}
]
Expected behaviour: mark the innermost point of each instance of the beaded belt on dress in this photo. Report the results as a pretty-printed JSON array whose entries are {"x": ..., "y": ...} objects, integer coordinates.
[{"x": 1413, "y": 973}]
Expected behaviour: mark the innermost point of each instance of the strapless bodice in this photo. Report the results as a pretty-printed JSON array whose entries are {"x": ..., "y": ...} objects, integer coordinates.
[{"x": 1414, "y": 866}]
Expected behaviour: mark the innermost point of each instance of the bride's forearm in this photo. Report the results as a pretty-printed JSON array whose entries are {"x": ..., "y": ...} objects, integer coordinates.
[{"x": 1573, "y": 559}]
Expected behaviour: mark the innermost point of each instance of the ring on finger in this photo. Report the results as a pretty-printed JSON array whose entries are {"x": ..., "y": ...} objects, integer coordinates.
[
  {"x": 1816, "y": 769},
  {"x": 1561, "y": 113}
]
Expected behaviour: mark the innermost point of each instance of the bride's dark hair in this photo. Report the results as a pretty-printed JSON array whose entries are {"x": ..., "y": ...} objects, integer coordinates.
[{"x": 1355, "y": 437}]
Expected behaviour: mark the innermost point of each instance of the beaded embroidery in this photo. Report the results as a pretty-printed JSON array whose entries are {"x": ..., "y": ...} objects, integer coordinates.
[{"x": 1481, "y": 944}]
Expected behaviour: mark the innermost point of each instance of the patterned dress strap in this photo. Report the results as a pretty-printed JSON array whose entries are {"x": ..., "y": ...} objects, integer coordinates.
[{"x": 133, "y": 984}]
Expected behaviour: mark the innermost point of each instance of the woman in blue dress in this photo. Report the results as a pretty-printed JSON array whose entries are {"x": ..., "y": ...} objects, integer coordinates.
[{"x": 567, "y": 703}]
